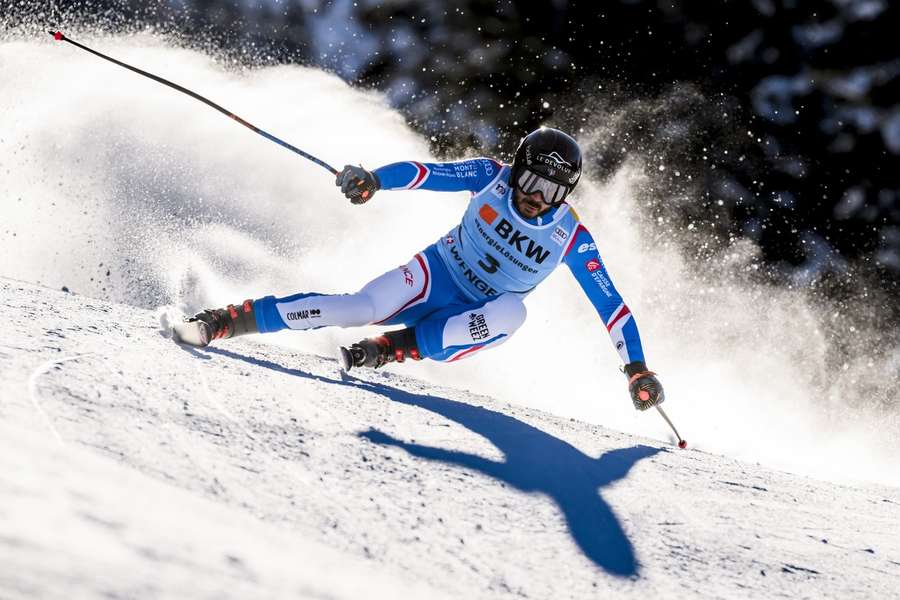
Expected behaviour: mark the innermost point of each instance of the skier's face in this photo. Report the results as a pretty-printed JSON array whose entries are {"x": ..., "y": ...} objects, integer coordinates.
[{"x": 530, "y": 205}]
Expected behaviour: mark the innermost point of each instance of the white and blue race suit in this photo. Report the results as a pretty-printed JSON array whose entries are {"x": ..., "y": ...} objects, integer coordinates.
[{"x": 464, "y": 292}]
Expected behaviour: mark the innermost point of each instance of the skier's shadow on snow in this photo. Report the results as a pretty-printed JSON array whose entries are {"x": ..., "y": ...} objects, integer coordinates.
[{"x": 535, "y": 462}]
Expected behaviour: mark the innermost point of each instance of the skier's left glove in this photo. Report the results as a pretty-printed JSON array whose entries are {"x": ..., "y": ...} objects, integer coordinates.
[
  {"x": 357, "y": 184},
  {"x": 644, "y": 387}
]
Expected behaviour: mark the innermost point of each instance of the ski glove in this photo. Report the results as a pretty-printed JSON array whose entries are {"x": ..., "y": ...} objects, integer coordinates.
[
  {"x": 644, "y": 387},
  {"x": 357, "y": 184}
]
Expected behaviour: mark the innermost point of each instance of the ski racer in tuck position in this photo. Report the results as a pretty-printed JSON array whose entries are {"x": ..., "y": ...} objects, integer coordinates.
[{"x": 463, "y": 294}]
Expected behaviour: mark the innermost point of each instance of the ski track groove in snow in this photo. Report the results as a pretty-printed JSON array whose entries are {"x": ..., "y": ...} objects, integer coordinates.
[
  {"x": 33, "y": 393},
  {"x": 219, "y": 406},
  {"x": 246, "y": 470}
]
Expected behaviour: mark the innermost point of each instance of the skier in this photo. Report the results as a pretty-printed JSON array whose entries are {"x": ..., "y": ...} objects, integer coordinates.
[{"x": 463, "y": 293}]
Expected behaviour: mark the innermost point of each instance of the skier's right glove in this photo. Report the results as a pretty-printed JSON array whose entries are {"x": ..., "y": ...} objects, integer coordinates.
[
  {"x": 357, "y": 184},
  {"x": 644, "y": 387}
]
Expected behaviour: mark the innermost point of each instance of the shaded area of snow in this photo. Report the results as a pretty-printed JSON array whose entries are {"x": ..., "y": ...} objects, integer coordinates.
[{"x": 137, "y": 468}]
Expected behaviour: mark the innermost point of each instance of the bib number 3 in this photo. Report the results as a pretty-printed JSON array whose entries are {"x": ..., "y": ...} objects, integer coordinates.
[{"x": 492, "y": 266}]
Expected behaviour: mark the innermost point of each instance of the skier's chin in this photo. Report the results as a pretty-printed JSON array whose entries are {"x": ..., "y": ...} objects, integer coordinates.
[{"x": 528, "y": 210}]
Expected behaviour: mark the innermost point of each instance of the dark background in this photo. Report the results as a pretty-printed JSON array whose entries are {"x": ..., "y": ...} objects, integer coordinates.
[{"x": 784, "y": 113}]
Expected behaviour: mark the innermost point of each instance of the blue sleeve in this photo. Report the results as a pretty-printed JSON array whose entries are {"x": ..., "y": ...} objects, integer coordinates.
[
  {"x": 472, "y": 175},
  {"x": 584, "y": 261}
]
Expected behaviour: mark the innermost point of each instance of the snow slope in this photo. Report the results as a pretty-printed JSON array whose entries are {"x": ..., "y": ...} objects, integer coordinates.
[
  {"x": 132, "y": 467},
  {"x": 124, "y": 190}
]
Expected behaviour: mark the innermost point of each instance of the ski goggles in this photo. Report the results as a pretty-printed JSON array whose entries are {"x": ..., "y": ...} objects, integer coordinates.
[{"x": 552, "y": 193}]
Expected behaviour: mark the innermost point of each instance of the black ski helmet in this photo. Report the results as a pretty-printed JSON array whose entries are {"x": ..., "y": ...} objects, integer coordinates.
[{"x": 551, "y": 154}]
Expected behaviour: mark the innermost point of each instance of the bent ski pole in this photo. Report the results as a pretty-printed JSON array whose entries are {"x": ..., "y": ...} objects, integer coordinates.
[
  {"x": 681, "y": 442},
  {"x": 60, "y": 37}
]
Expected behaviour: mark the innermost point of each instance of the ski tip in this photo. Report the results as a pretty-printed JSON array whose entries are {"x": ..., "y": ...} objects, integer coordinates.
[
  {"x": 345, "y": 359},
  {"x": 57, "y": 35},
  {"x": 682, "y": 444},
  {"x": 191, "y": 333}
]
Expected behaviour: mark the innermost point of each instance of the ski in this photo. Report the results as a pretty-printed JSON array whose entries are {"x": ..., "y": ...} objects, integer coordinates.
[
  {"x": 189, "y": 333},
  {"x": 345, "y": 358}
]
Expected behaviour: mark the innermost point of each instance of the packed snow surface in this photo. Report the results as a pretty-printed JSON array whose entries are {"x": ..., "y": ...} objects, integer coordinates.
[{"x": 133, "y": 467}]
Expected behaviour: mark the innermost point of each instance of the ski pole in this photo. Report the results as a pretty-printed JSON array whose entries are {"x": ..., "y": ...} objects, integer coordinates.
[
  {"x": 60, "y": 37},
  {"x": 681, "y": 442}
]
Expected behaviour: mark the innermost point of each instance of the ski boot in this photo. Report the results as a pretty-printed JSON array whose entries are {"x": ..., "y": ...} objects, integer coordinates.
[
  {"x": 216, "y": 324},
  {"x": 379, "y": 351}
]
